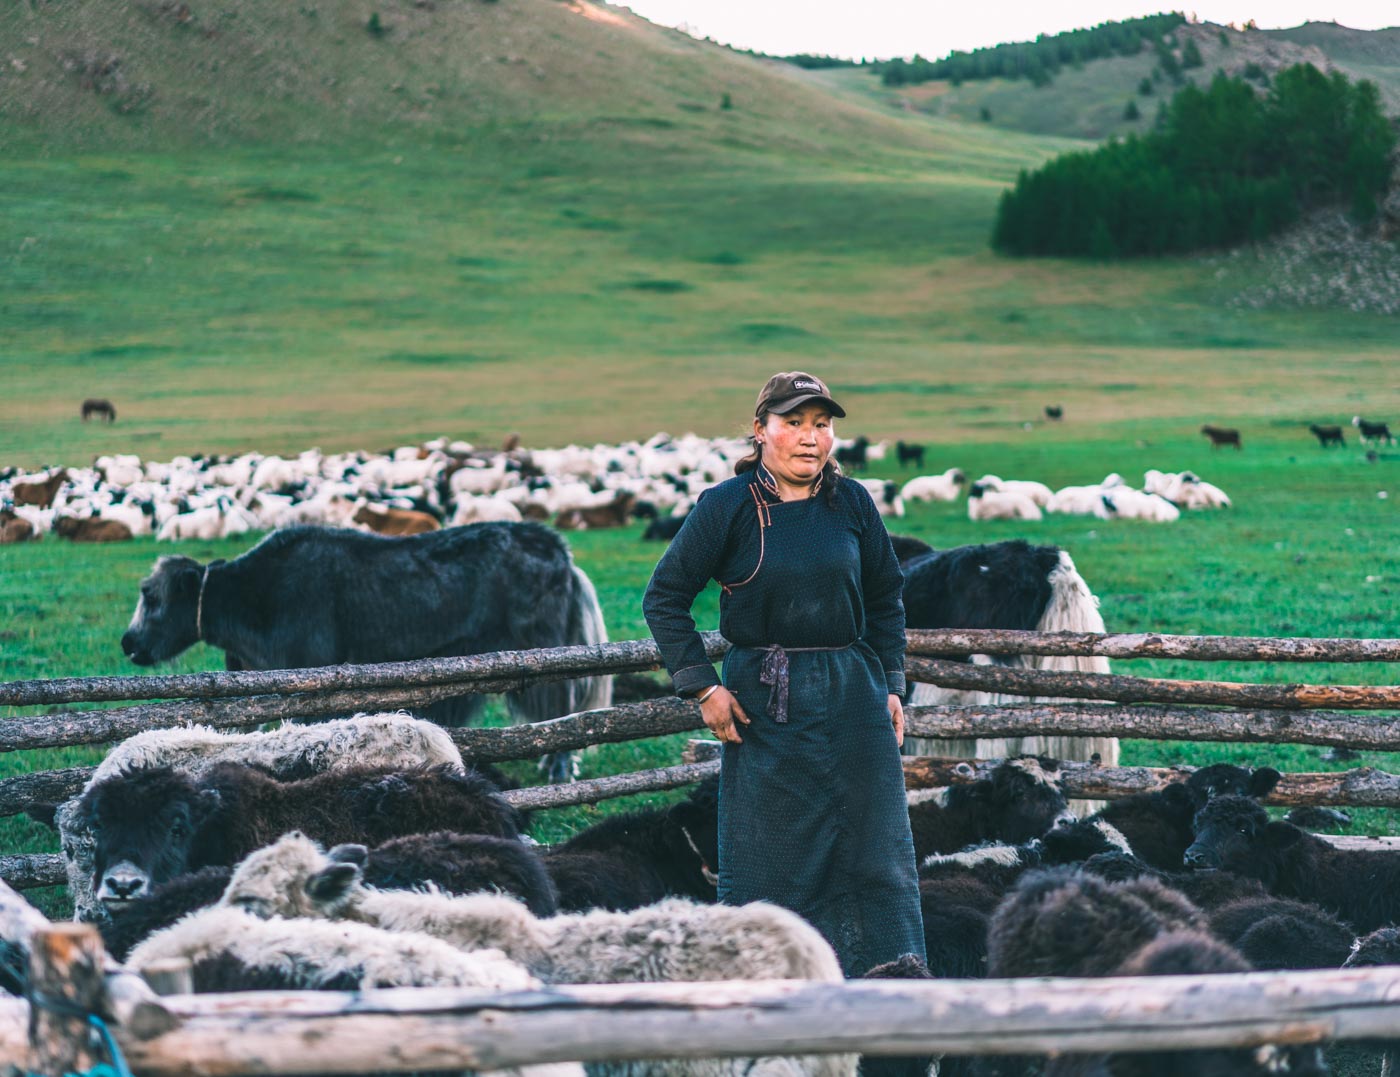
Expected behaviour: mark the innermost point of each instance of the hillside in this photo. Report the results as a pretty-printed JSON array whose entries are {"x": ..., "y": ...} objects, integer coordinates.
[
  {"x": 1089, "y": 102},
  {"x": 151, "y": 74}
]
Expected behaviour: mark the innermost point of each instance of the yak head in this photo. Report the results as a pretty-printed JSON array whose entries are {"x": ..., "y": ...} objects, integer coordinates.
[
  {"x": 1233, "y": 833},
  {"x": 167, "y": 612},
  {"x": 1025, "y": 798},
  {"x": 1228, "y": 780},
  {"x": 143, "y": 823}
]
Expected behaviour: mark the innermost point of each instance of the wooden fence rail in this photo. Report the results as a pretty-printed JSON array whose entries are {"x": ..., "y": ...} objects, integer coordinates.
[
  {"x": 953, "y": 642},
  {"x": 406, "y": 1029}
]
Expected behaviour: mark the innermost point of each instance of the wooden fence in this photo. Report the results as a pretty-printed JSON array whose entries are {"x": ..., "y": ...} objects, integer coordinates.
[{"x": 396, "y": 1031}]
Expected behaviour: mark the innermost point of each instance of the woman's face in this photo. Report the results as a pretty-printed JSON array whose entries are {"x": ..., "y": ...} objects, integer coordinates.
[{"x": 796, "y": 445}]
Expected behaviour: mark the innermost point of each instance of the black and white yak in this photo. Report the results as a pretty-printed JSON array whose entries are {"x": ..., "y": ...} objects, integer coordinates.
[
  {"x": 310, "y": 596},
  {"x": 1009, "y": 585}
]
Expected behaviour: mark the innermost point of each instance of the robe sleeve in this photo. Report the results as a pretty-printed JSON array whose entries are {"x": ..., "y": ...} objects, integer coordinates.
[
  {"x": 882, "y": 584},
  {"x": 687, "y": 566}
]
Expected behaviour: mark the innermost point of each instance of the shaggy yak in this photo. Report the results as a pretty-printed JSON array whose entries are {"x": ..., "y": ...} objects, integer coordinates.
[
  {"x": 1360, "y": 887},
  {"x": 1018, "y": 801},
  {"x": 637, "y": 858},
  {"x": 154, "y": 823},
  {"x": 311, "y": 596},
  {"x": 1003, "y": 585}
]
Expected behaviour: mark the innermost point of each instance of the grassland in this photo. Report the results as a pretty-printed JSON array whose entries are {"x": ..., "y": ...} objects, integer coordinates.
[{"x": 601, "y": 251}]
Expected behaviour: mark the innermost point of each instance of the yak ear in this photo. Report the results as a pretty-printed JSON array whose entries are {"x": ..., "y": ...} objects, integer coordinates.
[
  {"x": 206, "y": 804},
  {"x": 1262, "y": 782},
  {"x": 42, "y": 812},
  {"x": 332, "y": 883},
  {"x": 349, "y": 854}
]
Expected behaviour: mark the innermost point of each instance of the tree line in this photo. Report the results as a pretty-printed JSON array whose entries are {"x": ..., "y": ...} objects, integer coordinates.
[
  {"x": 1037, "y": 60},
  {"x": 1223, "y": 165}
]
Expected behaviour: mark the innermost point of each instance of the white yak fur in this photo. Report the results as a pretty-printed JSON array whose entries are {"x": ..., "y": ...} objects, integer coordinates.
[{"x": 1072, "y": 608}]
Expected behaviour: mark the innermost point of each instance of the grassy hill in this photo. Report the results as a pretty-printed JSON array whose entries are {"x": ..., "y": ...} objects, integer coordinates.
[{"x": 1089, "y": 102}]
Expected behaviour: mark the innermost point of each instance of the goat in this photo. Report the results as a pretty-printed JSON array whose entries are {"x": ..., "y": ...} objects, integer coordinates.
[
  {"x": 1328, "y": 435},
  {"x": 909, "y": 453},
  {"x": 1379, "y": 432}
]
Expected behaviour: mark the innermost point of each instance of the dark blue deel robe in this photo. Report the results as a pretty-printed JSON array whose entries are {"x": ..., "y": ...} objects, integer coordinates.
[{"x": 812, "y": 814}]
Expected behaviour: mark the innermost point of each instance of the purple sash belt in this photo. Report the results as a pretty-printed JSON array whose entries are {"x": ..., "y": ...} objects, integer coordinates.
[{"x": 774, "y": 672}]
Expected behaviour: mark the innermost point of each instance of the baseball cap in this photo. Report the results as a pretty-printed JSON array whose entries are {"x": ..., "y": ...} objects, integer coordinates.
[{"x": 792, "y": 389}]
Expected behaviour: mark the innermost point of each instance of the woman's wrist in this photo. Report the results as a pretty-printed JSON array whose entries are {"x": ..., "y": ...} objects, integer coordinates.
[{"x": 706, "y": 693}]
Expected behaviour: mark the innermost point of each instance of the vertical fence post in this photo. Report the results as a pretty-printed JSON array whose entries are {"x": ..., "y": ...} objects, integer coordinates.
[{"x": 66, "y": 965}]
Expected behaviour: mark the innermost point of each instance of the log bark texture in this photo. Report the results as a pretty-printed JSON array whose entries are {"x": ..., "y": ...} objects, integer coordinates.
[
  {"x": 609, "y": 725},
  {"x": 66, "y": 963},
  {"x": 25, "y": 871},
  {"x": 430, "y": 1029},
  {"x": 1048, "y": 683},
  {"x": 49, "y": 786},
  {"x": 954, "y": 642},
  {"x": 1163, "y": 722},
  {"x": 619, "y": 785},
  {"x": 509, "y": 667}
]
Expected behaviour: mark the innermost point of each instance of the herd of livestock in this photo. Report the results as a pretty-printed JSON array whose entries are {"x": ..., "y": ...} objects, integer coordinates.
[
  {"x": 447, "y": 484},
  {"x": 363, "y": 852}
]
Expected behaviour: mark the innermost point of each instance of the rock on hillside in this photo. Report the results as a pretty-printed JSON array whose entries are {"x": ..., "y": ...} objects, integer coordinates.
[{"x": 1247, "y": 48}]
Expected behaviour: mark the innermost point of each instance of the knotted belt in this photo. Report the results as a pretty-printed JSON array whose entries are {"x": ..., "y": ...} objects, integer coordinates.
[{"x": 774, "y": 672}]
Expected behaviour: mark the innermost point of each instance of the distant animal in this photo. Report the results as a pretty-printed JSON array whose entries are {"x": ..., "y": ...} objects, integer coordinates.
[
  {"x": 387, "y": 521},
  {"x": 1373, "y": 431},
  {"x": 307, "y": 596},
  {"x": 1328, "y": 435},
  {"x": 1221, "y": 435},
  {"x": 39, "y": 492},
  {"x": 886, "y": 496},
  {"x": 1054, "y": 412},
  {"x": 986, "y": 503},
  {"x": 909, "y": 453},
  {"x": 101, "y": 408},
  {"x": 1004, "y": 585},
  {"x": 945, "y": 487},
  {"x": 663, "y": 528},
  {"x": 14, "y": 528},
  {"x": 615, "y": 513},
  {"x": 855, "y": 454},
  {"x": 91, "y": 529}
]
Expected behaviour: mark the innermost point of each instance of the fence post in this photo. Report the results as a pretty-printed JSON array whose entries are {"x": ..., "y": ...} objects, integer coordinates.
[{"x": 66, "y": 985}]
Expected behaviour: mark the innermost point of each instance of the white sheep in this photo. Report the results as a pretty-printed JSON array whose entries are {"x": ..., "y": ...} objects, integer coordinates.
[
  {"x": 1202, "y": 495},
  {"x": 1079, "y": 501},
  {"x": 475, "y": 510},
  {"x": 1129, "y": 504},
  {"x": 945, "y": 487},
  {"x": 670, "y": 941},
  {"x": 985, "y": 504},
  {"x": 886, "y": 496},
  {"x": 1036, "y": 491},
  {"x": 391, "y": 739}
]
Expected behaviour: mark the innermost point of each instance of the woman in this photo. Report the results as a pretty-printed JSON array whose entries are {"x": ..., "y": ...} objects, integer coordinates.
[{"x": 812, "y": 811}]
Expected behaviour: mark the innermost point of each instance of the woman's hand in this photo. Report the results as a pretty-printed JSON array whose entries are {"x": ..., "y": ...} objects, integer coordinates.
[
  {"x": 721, "y": 711},
  {"x": 897, "y": 718}
]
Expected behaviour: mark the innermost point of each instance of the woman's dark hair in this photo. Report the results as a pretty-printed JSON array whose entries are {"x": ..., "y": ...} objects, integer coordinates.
[{"x": 831, "y": 474}]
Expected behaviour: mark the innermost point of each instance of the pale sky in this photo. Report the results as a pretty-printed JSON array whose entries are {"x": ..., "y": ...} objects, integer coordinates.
[{"x": 884, "y": 28}]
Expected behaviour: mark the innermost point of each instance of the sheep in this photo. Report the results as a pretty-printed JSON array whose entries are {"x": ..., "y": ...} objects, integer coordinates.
[
  {"x": 153, "y": 823},
  {"x": 389, "y": 739},
  {"x": 673, "y": 940},
  {"x": 473, "y": 510},
  {"x": 1036, "y": 491},
  {"x": 1360, "y": 887},
  {"x": 1129, "y": 504},
  {"x": 909, "y": 453},
  {"x": 233, "y": 950},
  {"x": 1328, "y": 435},
  {"x": 944, "y": 487},
  {"x": 886, "y": 496},
  {"x": 987, "y": 504},
  {"x": 91, "y": 529},
  {"x": 1078, "y": 501},
  {"x": 1378, "y": 432},
  {"x": 454, "y": 863}
]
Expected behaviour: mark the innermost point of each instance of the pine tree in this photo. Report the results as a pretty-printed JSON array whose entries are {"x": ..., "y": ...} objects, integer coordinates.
[{"x": 1131, "y": 113}]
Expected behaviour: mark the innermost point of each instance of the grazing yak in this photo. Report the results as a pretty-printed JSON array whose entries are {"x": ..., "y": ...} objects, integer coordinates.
[
  {"x": 154, "y": 823},
  {"x": 322, "y": 596},
  {"x": 290, "y": 751},
  {"x": 1236, "y": 835},
  {"x": 1003, "y": 585}
]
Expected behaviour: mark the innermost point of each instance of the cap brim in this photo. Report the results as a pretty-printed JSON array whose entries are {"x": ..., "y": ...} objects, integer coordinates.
[{"x": 796, "y": 402}]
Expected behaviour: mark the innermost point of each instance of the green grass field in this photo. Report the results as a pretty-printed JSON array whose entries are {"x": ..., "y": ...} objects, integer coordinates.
[{"x": 312, "y": 237}]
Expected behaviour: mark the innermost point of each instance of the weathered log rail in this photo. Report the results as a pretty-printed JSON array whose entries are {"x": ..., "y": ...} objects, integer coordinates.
[{"x": 953, "y": 642}]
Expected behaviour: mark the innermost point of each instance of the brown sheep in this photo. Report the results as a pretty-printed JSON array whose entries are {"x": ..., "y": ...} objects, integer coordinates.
[
  {"x": 91, "y": 529},
  {"x": 395, "y": 521},
  {"x": 614, "y": 514},
  {"x": 14, "y": 528}
]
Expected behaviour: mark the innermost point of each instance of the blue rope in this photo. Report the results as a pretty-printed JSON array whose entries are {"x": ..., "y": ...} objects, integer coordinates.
[{"x": 117, "y": 1067}]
